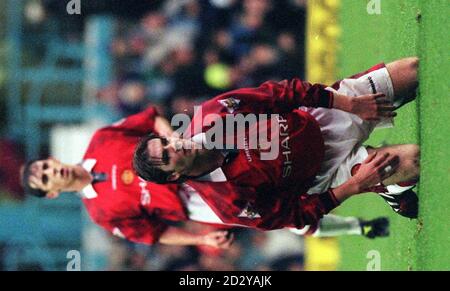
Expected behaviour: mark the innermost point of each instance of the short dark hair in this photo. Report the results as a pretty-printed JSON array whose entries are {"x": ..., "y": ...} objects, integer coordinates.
[
  {"x": 147, "y": 168},
  {"x": 25, "y": 177}
]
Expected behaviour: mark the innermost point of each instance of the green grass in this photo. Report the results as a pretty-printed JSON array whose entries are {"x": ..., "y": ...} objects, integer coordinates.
[{"x": 395, "y": 33}]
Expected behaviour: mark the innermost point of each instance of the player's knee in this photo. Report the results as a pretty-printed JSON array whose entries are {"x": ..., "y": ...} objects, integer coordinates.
[
  {"x": 410, "y": 63},
  {"x": 411, "y": 151},
  {"x": 408, "y": 69},
  {"x": 404, "y": 74},
  {"x": 412, "y": 170},
  {"x": 412, "y": 67},
  {"x": 414, "y": 151},
  {"x": 414, "y": 62},
  {"x": 412, "y": 159}
]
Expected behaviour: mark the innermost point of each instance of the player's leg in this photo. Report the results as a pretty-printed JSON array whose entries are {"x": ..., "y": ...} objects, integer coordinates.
[
  {"x": 333, "y": 225},
  {"x": 409, "y": 162},
  {"x": 404, "y": 79}
]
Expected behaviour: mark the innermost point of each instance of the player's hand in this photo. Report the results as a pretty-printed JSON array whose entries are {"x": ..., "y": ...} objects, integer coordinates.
[
  {"x": 218, "y": 239},
  {"x": 372, "y": 107},
  {"x": 375, "y": 169}
]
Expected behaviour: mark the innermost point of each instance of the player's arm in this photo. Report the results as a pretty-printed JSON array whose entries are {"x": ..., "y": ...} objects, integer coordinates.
[
  {"x": 162, "y": 126},
  {"x": 295, "y": 93},
  {"x": 291, "y": 94},
  {"x": 368, "y": 107},
  {"x": 151, "y": 230},
  {"x": 178, "y": 236},
  {"x": 145, "y": 122},
  {"x": 280, "y": 97}
]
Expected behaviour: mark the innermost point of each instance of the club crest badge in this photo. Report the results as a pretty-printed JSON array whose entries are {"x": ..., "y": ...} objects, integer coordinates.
[
  {"x": 249, "y": 212},
  {"x": 117, "y": 232},
  {"x": 231, "y": 104},
  {"x": 127, "y": 177}
]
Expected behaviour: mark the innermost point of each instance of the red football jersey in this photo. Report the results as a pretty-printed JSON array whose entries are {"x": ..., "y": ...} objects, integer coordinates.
[
  {"x": 269, "y": 194},
  {"x": 124, "y": 204}
]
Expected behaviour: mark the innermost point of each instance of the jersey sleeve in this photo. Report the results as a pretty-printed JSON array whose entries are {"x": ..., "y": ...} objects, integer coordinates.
[
  {"x": 313, "y": 207},
  {"x": 143, "y": 122},
  {"x": 281, "y": 97},
  {"x": 295, "y": 93},
  {"x": 300, "y": 211}
]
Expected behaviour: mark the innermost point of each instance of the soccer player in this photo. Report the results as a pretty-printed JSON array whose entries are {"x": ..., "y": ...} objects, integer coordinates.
[
  {"x": 140, "y": 211},
  {"x": 114, "y": 196},
  {"x": 320, "y": 163}
]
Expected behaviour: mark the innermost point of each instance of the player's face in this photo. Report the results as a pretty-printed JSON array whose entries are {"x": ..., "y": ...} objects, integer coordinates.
[
  {"x": 176, "y": 154},
  {"x": 51, "y": 176}
]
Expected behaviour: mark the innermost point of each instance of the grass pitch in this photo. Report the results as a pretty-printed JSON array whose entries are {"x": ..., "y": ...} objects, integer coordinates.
[{"x": 405, "y": 28}]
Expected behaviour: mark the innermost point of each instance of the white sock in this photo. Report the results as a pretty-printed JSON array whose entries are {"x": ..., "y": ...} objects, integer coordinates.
[{"x": 334, "y": 225}]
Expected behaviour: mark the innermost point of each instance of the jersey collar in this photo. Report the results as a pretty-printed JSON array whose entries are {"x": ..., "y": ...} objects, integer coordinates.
[
  {"x": 215, "y": 176},
  {"x": 88, "y": 192}
]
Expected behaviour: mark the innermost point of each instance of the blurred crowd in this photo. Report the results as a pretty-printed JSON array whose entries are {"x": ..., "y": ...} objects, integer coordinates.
[{"x": 187, "y": 51}]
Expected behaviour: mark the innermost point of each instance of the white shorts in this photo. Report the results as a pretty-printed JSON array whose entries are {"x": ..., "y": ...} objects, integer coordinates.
[{"x": 344, "y": 133}]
